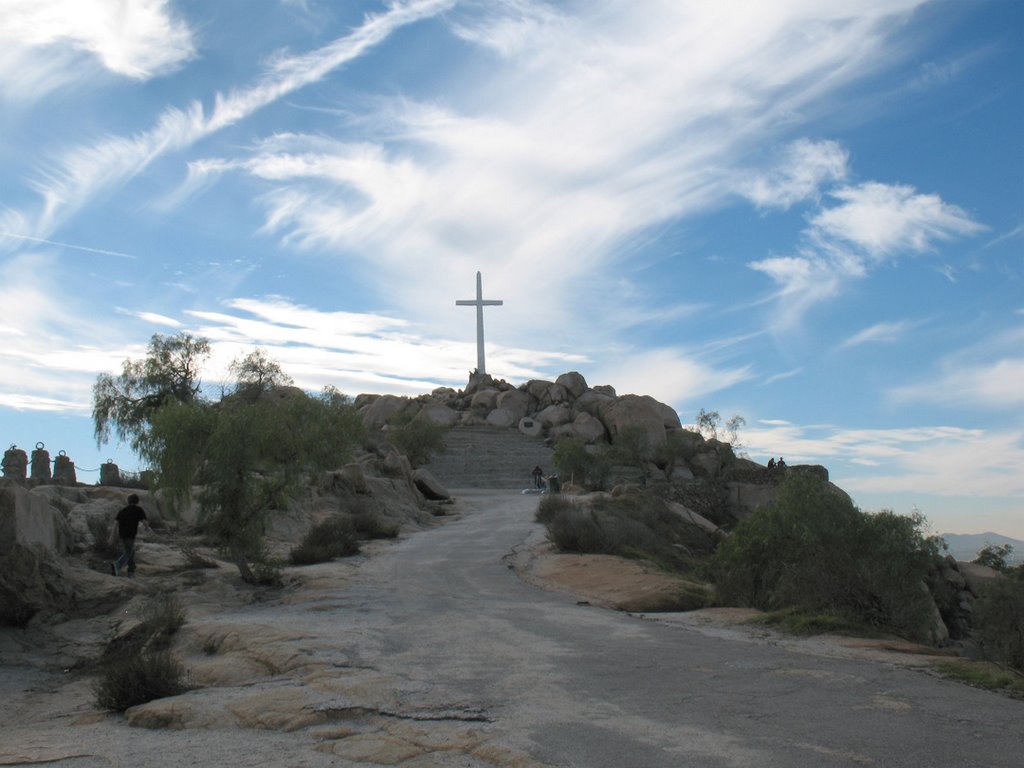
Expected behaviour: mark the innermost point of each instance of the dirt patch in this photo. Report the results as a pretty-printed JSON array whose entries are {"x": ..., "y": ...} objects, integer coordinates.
[
  {"x": 608, "y": 581},
  {"x": 614, "y": 582}
]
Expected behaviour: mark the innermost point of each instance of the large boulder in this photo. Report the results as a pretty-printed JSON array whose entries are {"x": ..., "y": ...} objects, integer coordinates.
[
  {"x": 555, "y": 416},
  {"x": 591, "y": 402},
  {"x": 537, "y": 388},
  {"x": 501, "y": 417},
  {"x": 588, "y": 428},
  {"x": 27, "y": 519},
  {"x": 641, "y": 412},
  {"x": 382, "y": 410},
  {"x": 429, "y": 486},
  {"x": 439, "y": 414},
  {"x": 33, "y": 536},
  {"x": 484, "y": 401},
  {"x": 573, "y": 383},
  {"x": 516, "y": 402}
]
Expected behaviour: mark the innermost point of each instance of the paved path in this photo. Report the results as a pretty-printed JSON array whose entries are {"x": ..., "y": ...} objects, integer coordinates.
[
  {"x": 435, "y": 641},
  {"x": 580, "y": 686}
]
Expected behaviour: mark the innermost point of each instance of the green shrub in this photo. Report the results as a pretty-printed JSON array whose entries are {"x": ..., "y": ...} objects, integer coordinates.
[
  {"x": 418, "y": 439},
  {"x": 334, "y": 537},
  {"x": 995, "y": 556},
  {"x": 139, "y": 678},
  {"x": 814, "y": 551},
  {"x": 999, "y": 619},
  {"x": 578, "y": 464}
]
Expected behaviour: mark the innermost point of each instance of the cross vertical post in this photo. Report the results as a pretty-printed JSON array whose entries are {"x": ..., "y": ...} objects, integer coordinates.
[{"x": 479, "y": 302}]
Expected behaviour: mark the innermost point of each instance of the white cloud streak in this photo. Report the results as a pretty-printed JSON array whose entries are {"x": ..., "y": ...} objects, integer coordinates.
[
  {"x": 87, "y": 170},
  {"x": 45, "y": 43},
  {"x": 880, "y": 332}
]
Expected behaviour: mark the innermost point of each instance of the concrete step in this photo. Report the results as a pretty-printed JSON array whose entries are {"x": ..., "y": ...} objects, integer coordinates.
[{"x": 489, "y": 457}]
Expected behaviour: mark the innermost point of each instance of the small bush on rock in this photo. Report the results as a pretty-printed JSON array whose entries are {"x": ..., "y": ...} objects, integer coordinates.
[
  {"x": 139, "y": 678},
  {"x": 334, "y": 537},
  {"x": 136, "y": 666}
]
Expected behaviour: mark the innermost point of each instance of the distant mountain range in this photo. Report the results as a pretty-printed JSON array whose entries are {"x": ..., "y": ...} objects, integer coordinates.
[{"x": 965, "y": 546}]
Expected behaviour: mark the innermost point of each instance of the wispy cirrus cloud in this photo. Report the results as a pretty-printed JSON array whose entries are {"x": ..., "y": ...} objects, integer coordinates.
[
  {"x": 44, "y": 44},
  {"x": 880, "y": 332},
  {"x": 580, "y": 133},
  {"x": 86, "y": 170}
]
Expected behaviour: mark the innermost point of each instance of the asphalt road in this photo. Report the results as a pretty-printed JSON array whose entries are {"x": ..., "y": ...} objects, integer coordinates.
[{"x": 575, "y": 685}]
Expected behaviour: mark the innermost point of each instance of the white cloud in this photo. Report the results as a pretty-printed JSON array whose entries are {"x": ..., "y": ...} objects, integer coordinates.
[
  {"x": 880, "y": 332},
  {"x": 935, "y": 461},
  {"x": 882, "y": 220},
  {"x": 577, "y": 134},
  {"x": 804, "y": 282},
  {"x": 45, "y": 43},
  {"x": 669, "y": 375},
  {"x": 803, "y": 168},
  {"x": 872, "y": 222},
  {"x": 86, "y": 170},
  {"x": 994, "y": 385},
  {"x": 987, "y": 375}
]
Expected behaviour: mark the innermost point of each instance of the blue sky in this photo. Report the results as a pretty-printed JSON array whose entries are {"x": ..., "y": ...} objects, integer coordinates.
[{"x": 807, "y": 213}]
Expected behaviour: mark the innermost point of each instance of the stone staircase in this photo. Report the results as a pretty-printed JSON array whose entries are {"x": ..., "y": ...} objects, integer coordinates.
[{"x": 489, "y": 457}]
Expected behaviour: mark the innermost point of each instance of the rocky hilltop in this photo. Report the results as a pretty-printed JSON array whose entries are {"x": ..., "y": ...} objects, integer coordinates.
[{"x": 706, "y": 474}]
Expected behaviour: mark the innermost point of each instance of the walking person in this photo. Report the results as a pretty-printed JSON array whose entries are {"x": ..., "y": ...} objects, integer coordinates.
[
  {"x": 538, "y": 477},
  {"x": 128, "y": 520}
]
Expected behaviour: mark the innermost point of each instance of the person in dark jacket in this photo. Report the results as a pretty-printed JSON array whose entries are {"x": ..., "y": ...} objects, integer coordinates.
[{"x": 128, "y": 520}]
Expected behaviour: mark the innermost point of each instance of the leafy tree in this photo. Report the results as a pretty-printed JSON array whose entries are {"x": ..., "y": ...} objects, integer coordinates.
[
  {"x": 256, "y": 373},
  {"x": 168, "y": 374},
  {"x": 995, "y": 556},
  {"x": 248, "y": 454},
  {"x": 732, "y": 431},
  {"x": 814, "y": 551},
  {"x": 708, "y": 424}
]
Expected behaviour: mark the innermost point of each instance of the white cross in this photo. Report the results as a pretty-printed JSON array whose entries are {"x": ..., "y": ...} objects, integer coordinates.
[{"x": 479, "y": 302}]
